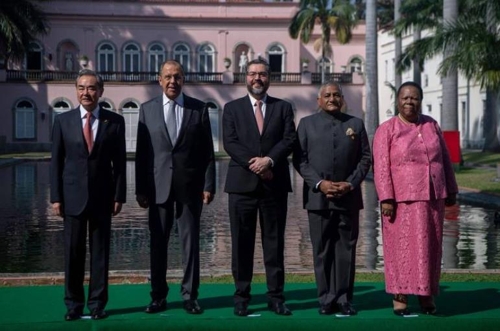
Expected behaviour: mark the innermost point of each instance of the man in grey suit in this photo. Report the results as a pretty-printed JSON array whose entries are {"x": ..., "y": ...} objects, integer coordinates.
[
  {"x": 332, "y": 154},
  {"x": 175, "y": 175},
  {"x": 87, "y": 179}
]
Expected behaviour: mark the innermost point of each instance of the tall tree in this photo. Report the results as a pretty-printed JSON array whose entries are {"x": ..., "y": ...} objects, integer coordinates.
[
  {"x": 21, "y": 22},
  {"x": 398, "y": 45},
  {"x": 371, "y": 117},
  {"x": 449, "y": 114},
  {"x": 338, "y": 16},
  {"x": 475, "y": 40}
]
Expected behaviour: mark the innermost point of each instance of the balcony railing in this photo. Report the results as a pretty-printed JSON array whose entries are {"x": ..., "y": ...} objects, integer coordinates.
[
  {"x": 152, "y": 77},
  {"x": 137, "y": 77}
]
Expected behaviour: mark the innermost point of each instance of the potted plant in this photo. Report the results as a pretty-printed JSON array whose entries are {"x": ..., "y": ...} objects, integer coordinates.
[
  {"x": 84, "y": 60},
  {"x": 227, "y": 62}
]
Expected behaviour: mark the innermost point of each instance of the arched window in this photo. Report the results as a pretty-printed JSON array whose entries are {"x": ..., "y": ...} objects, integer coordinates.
[
  {"x": 34, "y": 57},
  {"x": 326, "y": 63},
  {"x": 131, "y": 58},
  {"x": 106, "y": 57},
  {"x": 206, "y": 58},
  {"x": 60, "y": 106},
  {"x": 182, "y": 55},
  {"x": 105, "y": 104},
  {"x": 276, "y": 58},
  {"x": 214, "y": 114},
  {"x": 24, "y": 120},
  {"x": 355, "y": 65},
  {"x": 130, "y": 112},
  {"x": 156, "y": 56}
]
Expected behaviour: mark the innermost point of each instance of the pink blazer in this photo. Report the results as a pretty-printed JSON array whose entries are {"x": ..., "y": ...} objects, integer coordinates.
[{"x": 407, "y": 157}]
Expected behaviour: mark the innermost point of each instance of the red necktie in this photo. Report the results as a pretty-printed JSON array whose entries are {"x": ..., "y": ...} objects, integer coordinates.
[
  {"x": 259, "y": 117},
  {"x": 87, "y": 132}
]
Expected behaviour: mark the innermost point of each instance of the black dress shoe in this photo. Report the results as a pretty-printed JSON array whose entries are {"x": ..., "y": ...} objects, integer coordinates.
[
  {"x": 326, "y": 310},
  {"x": 402, "y": 312},
  {"x": 98, "y": 314},
  {"x": 279, "y": 308},
  {"x": 72, "y": 315},
  {"x": 192, "y": 307},
  {"x": 431, "y": 310},
  {"x": 241, "y": 309},
  {"x": 345, "y": 308},
  {"x": 156, "y": 306}
]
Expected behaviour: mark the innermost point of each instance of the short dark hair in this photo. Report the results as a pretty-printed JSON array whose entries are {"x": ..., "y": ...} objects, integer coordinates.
[
  {"x": 88, "y": 72},
  {"x": 259, "y": 60},
  {"x": 411, "y": 83}
]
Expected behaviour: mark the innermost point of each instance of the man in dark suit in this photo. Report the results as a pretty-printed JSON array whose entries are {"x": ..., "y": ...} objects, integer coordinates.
[
  {"x": 175, "y": 175},
  {"x": 333, "y": 156},
  {"x": 258, "y": 134},
  {"x": 87, "y": 187}
]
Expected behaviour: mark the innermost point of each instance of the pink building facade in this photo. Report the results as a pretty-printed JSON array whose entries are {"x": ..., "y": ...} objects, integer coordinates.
[{"x": 125, "y": 41}]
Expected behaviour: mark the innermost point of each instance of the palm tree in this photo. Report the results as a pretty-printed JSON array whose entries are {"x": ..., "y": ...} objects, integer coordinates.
[
  {"x": 371, "y": 117},
  {"x": 449, "y": 115},
  {"x": 336, "y": 15},
  {"x": 474, "y": 42},
  {"x": 21, "y": 21}
]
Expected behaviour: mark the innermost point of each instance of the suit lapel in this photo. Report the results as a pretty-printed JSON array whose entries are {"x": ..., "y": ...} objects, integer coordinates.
[
  {"x": 102, "y": 126},
  {"x": 186, "y": 116},
  {"x": 76, "y": 122},
  {"x": 159, "y": 115},
  {"x": 269, "y": 112},
  {"x": 249, "y": 114}
]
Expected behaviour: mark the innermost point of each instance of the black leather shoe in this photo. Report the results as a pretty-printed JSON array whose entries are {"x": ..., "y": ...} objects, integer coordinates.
[
  {"x": 241, "y": 309},
  {"x": 431, "y": 310},
  {"x": 345, "y": 308},
  {"x": 156, "y": 306},
  {"x": 72, "y": 315},
  {"x": 192, "y": 307},
  {"x": 326, "y": 310},
  {"x": 98, "y": 314},
  {"x": 279, "y": 308},
  {"x": 402, "y": 312}
]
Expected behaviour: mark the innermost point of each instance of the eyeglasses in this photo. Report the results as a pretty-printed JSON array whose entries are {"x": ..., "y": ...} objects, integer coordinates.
[{"x": 260, "y": 73}]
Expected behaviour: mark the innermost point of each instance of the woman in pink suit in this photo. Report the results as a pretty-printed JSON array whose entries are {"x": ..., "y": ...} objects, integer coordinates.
[{"x": 414, "y": 179}]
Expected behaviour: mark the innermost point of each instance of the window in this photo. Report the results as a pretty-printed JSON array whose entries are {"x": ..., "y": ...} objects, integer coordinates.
[
  {"x": 181, "y": 55},
  {"x": 206, "y": 58},
  {"x": 130, "y": 112},
  {"x": 156, "y": 56},
  {"x": 326, "y": 63},
  {"x": 34, "y": 57},
  {"x": 276, "y": 58},
  {"x": 131, "y": 58},
  {"x": 429, "y": 109},
  {"x": 213, "y": 113},
  {"x": 24, "y": 120},
  {"x": 60, "y": 106},
  {"x": 355, "y": 65},
  {"x": 106, "y": 105},
  {"x": 106, "y": 58}
]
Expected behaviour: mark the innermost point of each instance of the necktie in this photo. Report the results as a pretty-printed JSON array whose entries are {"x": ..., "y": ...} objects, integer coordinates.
[
  {"x": 259, "y": 117},
  {"x": 87, "y": 132},
  {"x": 171, "y": 122}
]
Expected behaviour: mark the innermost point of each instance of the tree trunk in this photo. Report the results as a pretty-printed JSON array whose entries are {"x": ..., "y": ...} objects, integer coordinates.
[
  {"x": 417, "y": 74},
  {"x": 397, "y": 46},
  {"x": 371, "y": 110},
  {"x": 449, "y": 114}
]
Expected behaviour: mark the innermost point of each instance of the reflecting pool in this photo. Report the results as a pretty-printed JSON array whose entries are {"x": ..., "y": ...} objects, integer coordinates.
[{"x": 31, "y": 238}]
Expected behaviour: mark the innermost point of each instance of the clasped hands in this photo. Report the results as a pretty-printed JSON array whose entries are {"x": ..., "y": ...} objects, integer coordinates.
[
  {"x": 261, "y": 166},
  {"x": 334, "y": 190}
]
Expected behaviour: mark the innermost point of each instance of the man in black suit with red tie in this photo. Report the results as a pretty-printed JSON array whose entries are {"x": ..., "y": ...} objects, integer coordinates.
[
  {"x": 88, "y": 173},
  {"x": 175, "y": 175},
  {"x": 258, "y": 135}
]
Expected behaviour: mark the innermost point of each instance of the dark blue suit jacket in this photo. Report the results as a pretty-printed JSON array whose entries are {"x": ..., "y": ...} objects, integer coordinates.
[
  {"x": 242, "y": 141},
  {"x": 80, "y": 179}
]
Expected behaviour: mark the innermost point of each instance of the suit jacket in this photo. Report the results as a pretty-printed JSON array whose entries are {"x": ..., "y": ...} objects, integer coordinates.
[
  {"x": 242, "y": 141},
  {"x": 188, "y": 167},
  {"x": 334, "y": 148},
  {"x": 78, "y": 178},
  {"x": 408, "y": 157}
]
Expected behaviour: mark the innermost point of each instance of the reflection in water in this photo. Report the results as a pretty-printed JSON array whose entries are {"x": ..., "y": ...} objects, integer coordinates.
[{"x": 31, "y": 237}]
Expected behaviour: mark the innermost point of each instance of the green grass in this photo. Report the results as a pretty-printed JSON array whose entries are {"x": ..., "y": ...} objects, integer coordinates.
[
  {"x": 482, "y": 179},
  {"x": 485, "y": 158}
]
